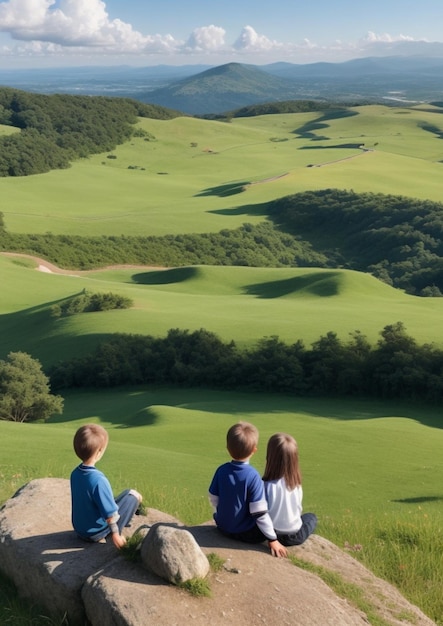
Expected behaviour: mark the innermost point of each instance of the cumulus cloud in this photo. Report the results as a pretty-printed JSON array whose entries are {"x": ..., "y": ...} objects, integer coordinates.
[
  {"x": 206, "y": 39},
  {"x": 83, "y": 27},
  {"x": 250, "y": 41},
  {"x": 372, "y": 37},
  {"x": 79, "y": 23}
]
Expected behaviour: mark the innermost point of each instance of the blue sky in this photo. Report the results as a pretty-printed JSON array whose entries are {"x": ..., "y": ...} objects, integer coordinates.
[{"x": 44, "y": 33}]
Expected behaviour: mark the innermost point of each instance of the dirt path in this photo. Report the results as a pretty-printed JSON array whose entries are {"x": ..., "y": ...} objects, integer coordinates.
[{"x": 50, "y": 268}]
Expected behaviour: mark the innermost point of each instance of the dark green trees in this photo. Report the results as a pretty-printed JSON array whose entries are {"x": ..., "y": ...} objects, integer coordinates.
[{"x": 24, "y": 390}]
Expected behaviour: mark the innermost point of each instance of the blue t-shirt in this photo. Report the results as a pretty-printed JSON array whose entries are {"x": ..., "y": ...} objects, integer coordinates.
[
  {"x": 237, "y": 484},
  {"x": 92, "y": 500}
]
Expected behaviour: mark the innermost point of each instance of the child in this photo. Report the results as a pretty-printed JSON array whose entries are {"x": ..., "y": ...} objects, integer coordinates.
[
  {"x": 237, "y": 496},
  {"x": 95, "y": 513},
  {"x": 282, "y": 479}
]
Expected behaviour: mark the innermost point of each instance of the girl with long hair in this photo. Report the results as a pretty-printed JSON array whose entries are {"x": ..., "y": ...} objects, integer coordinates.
[{"x": 284, "y": 493}]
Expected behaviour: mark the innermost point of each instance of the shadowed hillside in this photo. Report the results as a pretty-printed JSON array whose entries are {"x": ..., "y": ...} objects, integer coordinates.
[{"x": 223, "y": 88}]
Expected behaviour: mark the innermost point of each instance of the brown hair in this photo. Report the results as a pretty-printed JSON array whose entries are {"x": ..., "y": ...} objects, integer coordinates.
[
  {"x": 89, "y": 439},
  {"x": 282, "y": 460},
  {"x": 242, "y": 440}
]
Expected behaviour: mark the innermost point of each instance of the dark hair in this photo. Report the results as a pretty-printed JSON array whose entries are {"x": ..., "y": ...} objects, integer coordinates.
[
  {"x": 89, "y": 439},
  {"x": 282, "y": 460},
  {"x": 242, "y": 440}
]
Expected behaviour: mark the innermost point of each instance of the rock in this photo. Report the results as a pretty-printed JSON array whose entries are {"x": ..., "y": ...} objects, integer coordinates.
[
  {"x": 93, "y": 583},
  {"x": 173, "y": 554}
]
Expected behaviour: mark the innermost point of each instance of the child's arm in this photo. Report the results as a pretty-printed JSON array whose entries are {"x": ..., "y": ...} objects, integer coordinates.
[
  {"x": 259, "y": 510},
  {"x": 213, "y": 499},
  {"x": 118, "y": 540}
]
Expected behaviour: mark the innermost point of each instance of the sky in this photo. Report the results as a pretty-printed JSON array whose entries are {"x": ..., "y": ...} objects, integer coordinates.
[{"x": 59, "y": 33}]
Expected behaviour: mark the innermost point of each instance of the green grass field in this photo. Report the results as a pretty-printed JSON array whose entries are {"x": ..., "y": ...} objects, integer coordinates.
[
  {"x": 370, "y": 469},
  {"x": 190, "y": 178},
  {"x": 237, "y": 303}
]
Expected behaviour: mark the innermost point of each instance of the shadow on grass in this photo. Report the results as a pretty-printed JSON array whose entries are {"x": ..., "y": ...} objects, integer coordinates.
[
  {"x": 44, "y": 337},
  {"x": 129, "y": 407},
  {"x": 419, "y": 499},
  {"x": 351, "y": 146},
  {"x": 307, "y": 131},
  {"x": 223, "y": 191},
  {"x": 317, "y": 284},
  {"x": 166, "y": 277},
  {"x": 256, "y": 210}
]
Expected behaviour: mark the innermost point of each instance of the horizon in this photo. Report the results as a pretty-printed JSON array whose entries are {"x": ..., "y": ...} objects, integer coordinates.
[{"x": 43, "y": 34}]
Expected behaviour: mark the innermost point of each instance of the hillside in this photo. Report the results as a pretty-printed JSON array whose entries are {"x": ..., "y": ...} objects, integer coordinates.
[
  {"x": 227, "y": 87},
  {"x": 221, "y": 89},
  {"x": 58, "y": 129}
]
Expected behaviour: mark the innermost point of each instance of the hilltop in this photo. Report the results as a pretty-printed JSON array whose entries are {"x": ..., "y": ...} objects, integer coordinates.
[{"x": 222, "y": 88}]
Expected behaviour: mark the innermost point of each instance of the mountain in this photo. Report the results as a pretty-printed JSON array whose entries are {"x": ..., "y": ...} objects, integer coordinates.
[
  {"x": 201, "y": 89},
  {"x": 223, "y": 88},
  {"x": 401, "y": 78},
  {"x": 376, "y": 79}
]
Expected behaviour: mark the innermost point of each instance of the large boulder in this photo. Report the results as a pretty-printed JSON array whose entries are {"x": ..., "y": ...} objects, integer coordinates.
[{"x": 93, "y": 583}]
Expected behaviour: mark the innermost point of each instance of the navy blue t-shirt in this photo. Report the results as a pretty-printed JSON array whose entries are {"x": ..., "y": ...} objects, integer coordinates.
[{"x": 237, "y": 485}]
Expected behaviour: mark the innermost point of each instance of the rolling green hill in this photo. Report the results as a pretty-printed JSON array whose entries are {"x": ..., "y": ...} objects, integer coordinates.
[
  {"x": 204, "y": 176},
  {"x": 372, "y": 470},
  {"x": 243, "y": 304}
]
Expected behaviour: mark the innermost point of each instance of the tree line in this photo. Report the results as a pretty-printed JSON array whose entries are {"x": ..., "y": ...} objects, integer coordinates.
[
  {"x": 57, "y": 129},
  {"x": 397, "y": 239},
  {"x": 396, "y": 367}
]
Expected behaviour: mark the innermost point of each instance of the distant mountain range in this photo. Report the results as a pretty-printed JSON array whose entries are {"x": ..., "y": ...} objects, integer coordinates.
[{"x": 199, "y": 89}]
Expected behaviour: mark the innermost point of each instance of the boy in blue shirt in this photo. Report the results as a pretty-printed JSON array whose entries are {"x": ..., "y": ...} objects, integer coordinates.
[
  {"x": 95, "y": 512},
  {"x": 237, "y": 493}
]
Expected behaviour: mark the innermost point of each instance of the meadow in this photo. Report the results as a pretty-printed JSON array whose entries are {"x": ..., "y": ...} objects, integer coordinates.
[
  {"x": 202, "y": 176},
  {"x": 372, "y": 470},
  {"x": 243, "y": 304}
]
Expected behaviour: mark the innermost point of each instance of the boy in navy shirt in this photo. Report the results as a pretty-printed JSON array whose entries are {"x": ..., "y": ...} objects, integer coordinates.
[
  {"x": 95, "y": 512},
  {"x": 237, "y": 493}
]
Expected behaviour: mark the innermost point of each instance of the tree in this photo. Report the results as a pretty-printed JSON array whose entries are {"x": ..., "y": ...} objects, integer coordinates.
[{"x": 24, "y": 390}]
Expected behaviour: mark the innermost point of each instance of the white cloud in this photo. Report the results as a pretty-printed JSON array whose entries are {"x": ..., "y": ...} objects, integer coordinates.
[
  {"x": 250, "y": 41},
  {"x": 206, "y": 39},
  {"x": 372, "y": 38},
  {"x": 79, "y": 23},
  {"x": 69, "y": 28}
]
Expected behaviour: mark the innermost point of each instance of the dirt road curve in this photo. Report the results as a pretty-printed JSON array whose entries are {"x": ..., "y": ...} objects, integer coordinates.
[{"x": 50, "y": 268}]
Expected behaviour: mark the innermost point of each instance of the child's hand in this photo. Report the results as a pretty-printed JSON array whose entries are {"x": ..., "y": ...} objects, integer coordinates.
[
  {"x": 277, "y": 549},
  {"x": 118, "y": 540}
]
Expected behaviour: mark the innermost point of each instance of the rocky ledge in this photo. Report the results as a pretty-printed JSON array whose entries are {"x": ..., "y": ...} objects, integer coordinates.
[{"x": 93, "y": 584}]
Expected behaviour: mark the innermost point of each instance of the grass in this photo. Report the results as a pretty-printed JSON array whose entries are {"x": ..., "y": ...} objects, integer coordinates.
[
  {"x": 352, "y": 593},
  {"x": 237, "y": 303},
  {"x": 198, "y": 587},
  {"x": 372, "y": 471},
  {"x": 189, "y": 166},
  {"x": 15, "y": 611}
]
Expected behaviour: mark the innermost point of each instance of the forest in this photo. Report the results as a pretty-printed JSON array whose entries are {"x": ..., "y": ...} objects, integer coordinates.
[
  {"x": 397, "y": 239},
  {"x": 57, "y": 129},
  {"x": 395, "y": 368}
]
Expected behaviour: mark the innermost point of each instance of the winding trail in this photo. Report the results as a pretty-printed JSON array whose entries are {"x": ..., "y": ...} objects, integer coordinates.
[{"x": 50, "y": 268}]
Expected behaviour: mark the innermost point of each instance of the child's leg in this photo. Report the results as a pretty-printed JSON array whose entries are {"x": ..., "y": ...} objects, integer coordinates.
[
  {"x": 254, "y": 535},
  {"x": 128, "y": 502},
  {"x": 309, "y": 524}
]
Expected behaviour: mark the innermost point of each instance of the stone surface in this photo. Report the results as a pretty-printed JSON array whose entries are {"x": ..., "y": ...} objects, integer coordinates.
[
  {"x": 95, "y": 585},
  {"x": 173, "y": 554}
]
